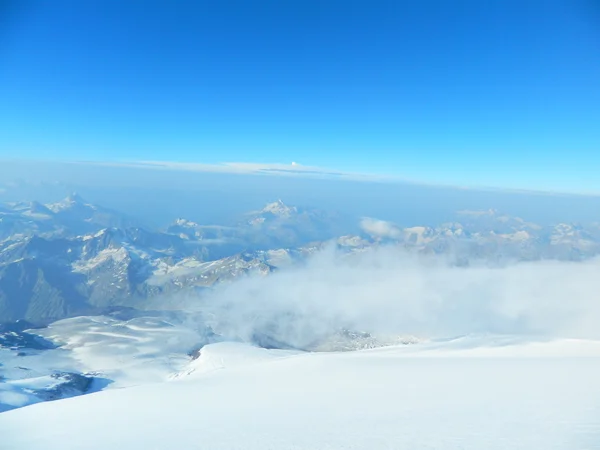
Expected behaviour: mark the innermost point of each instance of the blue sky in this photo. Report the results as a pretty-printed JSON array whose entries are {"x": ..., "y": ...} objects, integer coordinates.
[{"x": 498, "y": 93}]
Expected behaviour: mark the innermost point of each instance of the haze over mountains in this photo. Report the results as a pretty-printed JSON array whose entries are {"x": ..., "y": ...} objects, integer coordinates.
[
  {"x": 217, "y": 198},
  {"x": 73, "y": 257}
]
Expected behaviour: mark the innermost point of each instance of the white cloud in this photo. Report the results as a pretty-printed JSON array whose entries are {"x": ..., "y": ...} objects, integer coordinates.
[
  {"x": 379, "y": 228},
  {"x": 389, "y": 291}
]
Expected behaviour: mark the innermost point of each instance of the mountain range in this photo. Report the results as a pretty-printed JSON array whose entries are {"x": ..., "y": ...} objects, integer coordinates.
[
  {"x": 72, "y": 257},
  {"x": 90, "y": 299}
]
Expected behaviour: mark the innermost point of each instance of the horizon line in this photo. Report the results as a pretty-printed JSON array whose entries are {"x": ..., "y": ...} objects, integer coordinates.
[{"x": 295, "y": 169}]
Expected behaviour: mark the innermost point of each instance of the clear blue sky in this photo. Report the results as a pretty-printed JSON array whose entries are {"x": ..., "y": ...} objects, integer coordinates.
[{"x": 503, "y": 93}]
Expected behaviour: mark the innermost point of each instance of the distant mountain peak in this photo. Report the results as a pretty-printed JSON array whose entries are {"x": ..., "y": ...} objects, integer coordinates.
[
  {"x": 38, "y": 208},
  {"x": 71, "y": 201},
  {"x": 181, "y": 222},
  {"x": 278, "y": 208},
  {"x": 74, "y": 197}
]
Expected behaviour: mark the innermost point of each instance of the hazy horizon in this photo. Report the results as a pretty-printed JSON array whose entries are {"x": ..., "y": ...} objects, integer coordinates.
[{"x": 158, "y": 195}]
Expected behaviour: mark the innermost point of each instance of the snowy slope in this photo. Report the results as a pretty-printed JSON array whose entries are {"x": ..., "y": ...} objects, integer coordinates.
[{"x": 485, "y": 393}]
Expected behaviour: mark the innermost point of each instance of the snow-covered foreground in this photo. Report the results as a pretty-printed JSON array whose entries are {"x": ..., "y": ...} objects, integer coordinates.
[{"x": 462, "y": 394}]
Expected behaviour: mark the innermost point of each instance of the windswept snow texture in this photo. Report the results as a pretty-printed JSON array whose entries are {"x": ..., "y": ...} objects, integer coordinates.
[
  {"x": 462, "y": 394},
  {"x": 88, "y": 354}
]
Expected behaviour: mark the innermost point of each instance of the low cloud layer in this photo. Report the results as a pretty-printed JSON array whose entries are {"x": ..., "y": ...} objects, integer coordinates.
[
  {"x": 387, "y": 291},
  {"x": 293, "y": 169}
]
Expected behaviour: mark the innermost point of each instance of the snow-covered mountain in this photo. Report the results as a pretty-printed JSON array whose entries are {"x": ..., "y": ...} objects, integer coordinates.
[
  {"x": 43, "y": 279},
  {"x": 69, "y": 217},
  {"x": 55, "y": 273},
  {"x": 277, "y": 225},
  {"x": 281, "y": 225}
]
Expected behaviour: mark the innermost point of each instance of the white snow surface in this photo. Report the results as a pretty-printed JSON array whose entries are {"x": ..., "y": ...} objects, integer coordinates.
[{"x": 471, "y": 393}]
